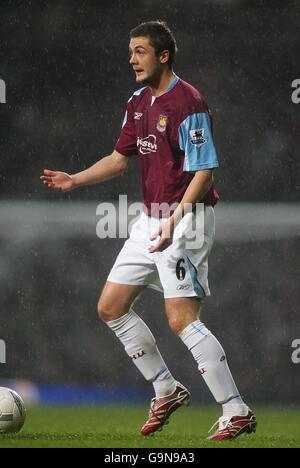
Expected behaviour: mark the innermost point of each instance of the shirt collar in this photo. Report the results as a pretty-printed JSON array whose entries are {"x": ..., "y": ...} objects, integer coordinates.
[{"x": 171, "y": 85}]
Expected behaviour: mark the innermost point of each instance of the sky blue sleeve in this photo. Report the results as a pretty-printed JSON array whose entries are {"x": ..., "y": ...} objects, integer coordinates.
[{"x": 195, "y": 139}]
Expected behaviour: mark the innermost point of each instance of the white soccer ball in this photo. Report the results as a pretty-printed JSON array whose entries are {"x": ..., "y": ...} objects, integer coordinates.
[{"x": 12, "y": 411}]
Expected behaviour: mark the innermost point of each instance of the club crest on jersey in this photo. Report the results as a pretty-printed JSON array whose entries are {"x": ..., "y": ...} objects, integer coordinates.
[
  {"x": 197, "y": 136},
  {"x": 147, "y": 145},
  {"x": 162, "y": 123}
]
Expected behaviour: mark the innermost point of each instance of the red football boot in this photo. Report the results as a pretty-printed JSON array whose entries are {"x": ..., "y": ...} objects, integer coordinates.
[
  {"x": 229, "y": 429},
  {"x": 162, "y": 408}
]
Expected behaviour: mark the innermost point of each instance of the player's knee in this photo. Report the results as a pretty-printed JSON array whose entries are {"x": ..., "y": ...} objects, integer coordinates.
[
  {"x": 176, "y": 324},
  {"x": 178, "y": 320},
  {"x": 108, "y": 310},
  {"x": 105, "y": 310}
]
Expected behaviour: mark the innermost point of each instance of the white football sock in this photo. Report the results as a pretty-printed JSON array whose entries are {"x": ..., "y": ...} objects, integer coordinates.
[
  {"x": 233, "y": 408},
  {"x": 212, "y": 364},
  {"x": 140, "y": 345}
]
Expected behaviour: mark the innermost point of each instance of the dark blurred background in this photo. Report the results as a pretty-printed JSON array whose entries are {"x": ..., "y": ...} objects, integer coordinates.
[{"x": 65, "y": 65}]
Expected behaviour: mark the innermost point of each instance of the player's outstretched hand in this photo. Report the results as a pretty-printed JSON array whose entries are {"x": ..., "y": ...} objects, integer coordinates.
[{"x": 58, "y": 180}]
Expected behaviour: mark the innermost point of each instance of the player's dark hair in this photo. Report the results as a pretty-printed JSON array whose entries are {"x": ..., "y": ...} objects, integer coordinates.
[{"x": 160, "y": 37}]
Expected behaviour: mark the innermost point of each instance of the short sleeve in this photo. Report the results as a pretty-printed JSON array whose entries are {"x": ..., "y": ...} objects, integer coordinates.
[
  {"x": 195, "y": 139},
  {"x": 126, "y": 143}
]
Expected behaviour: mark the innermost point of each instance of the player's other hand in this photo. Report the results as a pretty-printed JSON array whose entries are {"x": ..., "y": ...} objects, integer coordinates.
[
  {"x": 58, "y": 180},
  {"x": 165, "y": 233}
]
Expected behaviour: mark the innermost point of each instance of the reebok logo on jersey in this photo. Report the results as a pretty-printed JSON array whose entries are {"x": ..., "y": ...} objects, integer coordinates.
[
  {"x": 138, "y": 115},
  {"x": 197, "y": 136},
  {"x": 147, "y": 145}
]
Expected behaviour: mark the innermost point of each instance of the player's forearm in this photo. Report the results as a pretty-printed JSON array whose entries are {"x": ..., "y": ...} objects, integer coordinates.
[
  {"x": 107, "y": 168},
  {"x": 198, "y": 187}
]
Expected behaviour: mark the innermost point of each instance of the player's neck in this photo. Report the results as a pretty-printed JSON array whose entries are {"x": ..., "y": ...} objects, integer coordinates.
[{"x": 166, "y": 78}]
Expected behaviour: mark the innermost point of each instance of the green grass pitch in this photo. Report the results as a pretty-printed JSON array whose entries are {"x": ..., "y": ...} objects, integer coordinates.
[{"x": 116, "y": 426}]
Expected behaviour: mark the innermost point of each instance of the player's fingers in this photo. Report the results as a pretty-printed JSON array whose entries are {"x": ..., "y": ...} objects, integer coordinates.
[
  {"x": 47, "y": 172},
  {"x": 155, "y": 235},
  {"x": 156, "y": 247},
  {"x": 47, "y": 182},
  {"x": 163, "y": 244},
  {"x": 46, "y": 179}
]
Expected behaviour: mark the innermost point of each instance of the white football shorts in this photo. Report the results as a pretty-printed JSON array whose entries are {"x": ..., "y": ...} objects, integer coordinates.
[{"x": 181, "y": 270}]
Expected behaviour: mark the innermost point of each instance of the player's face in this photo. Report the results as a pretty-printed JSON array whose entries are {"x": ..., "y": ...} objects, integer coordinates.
[{"x": 145, "y": 63}]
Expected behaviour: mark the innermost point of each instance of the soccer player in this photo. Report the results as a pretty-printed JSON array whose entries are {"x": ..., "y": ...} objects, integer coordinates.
[{"x": 167, "y": 125}]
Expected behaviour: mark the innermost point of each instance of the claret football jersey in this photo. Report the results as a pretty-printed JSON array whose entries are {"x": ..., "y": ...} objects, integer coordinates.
[{"x": 172, "y": 136}]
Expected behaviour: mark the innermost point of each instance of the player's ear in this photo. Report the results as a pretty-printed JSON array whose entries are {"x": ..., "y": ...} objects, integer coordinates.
[{"x": 164, "y": 56}]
